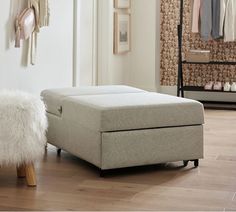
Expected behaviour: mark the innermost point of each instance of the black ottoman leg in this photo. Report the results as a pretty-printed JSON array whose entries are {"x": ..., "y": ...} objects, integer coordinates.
[
  {"x": 186, "y": 163},
  {"x": 58, "y": 152},
  {"x": 102, "y": 173},
  {"x": 196, "y": 163}
]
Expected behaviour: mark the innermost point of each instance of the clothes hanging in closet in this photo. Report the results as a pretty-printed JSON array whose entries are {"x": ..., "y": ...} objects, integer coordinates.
[
  {"x": 222, "y": 16},
  {"x": 217, "y": 19},
  {"x": 196, "y": 16},
  {"x": 206, "y": 19},
  {"x": 230, "y": 21}
]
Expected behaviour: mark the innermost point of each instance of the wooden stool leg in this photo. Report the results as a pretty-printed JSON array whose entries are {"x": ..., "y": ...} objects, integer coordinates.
[
  {"x": 30, "y": 175},
  {"x": 21, "y": 171}
]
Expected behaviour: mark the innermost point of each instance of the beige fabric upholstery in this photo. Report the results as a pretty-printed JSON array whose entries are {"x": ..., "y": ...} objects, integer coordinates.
[
  {"x": 53, "y": 98},
  {"x": 76, "y": 139},
  {"x": 153, "y": 146},
  {"x": 132, "y": 111},
  {"x": 115, "y": 129}
]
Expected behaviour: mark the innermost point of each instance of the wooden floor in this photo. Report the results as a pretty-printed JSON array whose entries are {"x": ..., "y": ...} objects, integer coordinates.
[{"x": 68, "y": 183}]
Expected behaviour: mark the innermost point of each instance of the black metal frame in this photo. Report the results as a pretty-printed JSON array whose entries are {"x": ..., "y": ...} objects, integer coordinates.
[{"x": 180, "y": 84}]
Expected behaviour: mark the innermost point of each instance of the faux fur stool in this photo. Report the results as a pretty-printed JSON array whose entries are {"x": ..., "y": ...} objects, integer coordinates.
[{"x": 23, "y": 124}]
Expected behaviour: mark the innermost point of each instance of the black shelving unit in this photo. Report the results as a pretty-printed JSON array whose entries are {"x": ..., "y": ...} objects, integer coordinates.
[
  {"x": 211, "y": 63},
  {"x": 180, "y": 83},
  {"x": 201, "y": 89}
]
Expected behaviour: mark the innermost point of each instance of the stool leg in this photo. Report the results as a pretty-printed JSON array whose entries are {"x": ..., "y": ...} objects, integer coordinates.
[
  {"x": 30, "y": 175},
  {"x": 196, "y": 163},
  {"x": 21, "y": 171}
]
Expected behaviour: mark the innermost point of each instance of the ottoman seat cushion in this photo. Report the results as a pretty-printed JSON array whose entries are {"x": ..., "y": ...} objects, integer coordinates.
[
  {"x": 53, "y": 98},
  {"x": 132, "y": 111}
]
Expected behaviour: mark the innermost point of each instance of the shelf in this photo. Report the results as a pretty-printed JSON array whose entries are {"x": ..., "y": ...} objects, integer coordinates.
[
  {"x": 201, "y": 89},
  {"x": 219, "y": 105},
  {"x": 182, "y": 62},
  {"x": 211, "y": 63}
]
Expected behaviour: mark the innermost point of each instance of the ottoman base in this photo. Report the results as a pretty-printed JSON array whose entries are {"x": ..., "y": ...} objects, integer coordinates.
[
  {"x": 151, "y": 146},
  {"x": 122, "y": 149}
]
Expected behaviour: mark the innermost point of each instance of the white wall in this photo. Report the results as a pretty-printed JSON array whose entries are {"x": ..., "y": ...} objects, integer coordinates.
[
  {"x": 86, "y": 42},
  {"x": 137, "y": 68},
  {"x": 55, "y": 62},
  {"x": 145, "y": 55},
  {"x": 54, "y": 54},
  {"x": 112, "y": 69}
]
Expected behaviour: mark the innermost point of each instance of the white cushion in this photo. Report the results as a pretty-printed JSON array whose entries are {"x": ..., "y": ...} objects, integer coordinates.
[
  {"x": 53, "y": 97},
  {"x": 129, "y": 111}
]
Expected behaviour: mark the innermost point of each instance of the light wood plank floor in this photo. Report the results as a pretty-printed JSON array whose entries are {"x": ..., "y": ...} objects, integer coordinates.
[{"x": 68, "y": 183}]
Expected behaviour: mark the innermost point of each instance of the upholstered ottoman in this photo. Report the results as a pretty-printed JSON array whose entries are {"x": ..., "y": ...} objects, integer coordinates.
[{"x": 118, "y": 126}]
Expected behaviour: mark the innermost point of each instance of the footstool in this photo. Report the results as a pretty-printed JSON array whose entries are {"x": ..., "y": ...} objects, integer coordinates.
[
  {"x": 23, "y": 125},
  {"x": 118, "y": 126}
]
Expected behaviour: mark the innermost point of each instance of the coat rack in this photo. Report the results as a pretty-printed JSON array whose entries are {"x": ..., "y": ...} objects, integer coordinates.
[
  {"x": 181, "y": 88},
  {"x": 180, "y": 85}
]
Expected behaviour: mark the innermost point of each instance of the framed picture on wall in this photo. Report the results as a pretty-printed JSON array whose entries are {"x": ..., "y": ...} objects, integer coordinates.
[
  {"x": 122, "y": 4},
  {"x": 122, "y": 34}
]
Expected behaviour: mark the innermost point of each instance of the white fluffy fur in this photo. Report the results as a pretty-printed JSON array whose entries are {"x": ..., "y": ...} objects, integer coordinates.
[{"x": 23, "y": 125}]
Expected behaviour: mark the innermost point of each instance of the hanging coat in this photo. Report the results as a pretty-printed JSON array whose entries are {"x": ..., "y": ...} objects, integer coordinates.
[
  {"x": 196, "y": 16},
  {"x": 41, "y": 9},
  {"x": 216, "y": 19},
  {"x": 230, "y": 21},
  {"x": 223, "y": 4},
  {"x": 206, "y": 19}
]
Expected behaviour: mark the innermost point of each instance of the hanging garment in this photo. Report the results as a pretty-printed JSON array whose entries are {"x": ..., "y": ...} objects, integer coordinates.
[
  {"x": 41, "y": 8},
  {"x": 44, "y": 13},
  {"x": 32, "y": 49},
  {"x": 206, "y": 19},
  {"x": 35, "y": 5},
  {"x": 216, "y": 19},
  {"x": 230, "y": 21},
  {"x": 25, "y": 25},
  {"x": 196, "y": 16},
  {"x": 223, "y": 4},
  {"x": 16, "y": 7}
]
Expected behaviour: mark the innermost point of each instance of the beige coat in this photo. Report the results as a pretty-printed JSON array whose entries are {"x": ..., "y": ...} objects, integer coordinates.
[
  {"x": 228, "y": 20},
  {"x": 196, "y": 16},
  {"x": 41, "y": 8}
]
